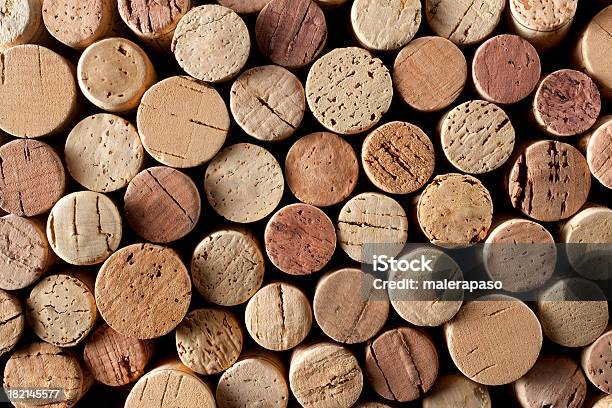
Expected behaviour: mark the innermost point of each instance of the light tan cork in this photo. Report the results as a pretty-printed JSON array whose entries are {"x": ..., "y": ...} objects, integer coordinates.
[
  {"x": 593, "y": 51},
  {"x": 601, "y": 401},
  {"x": 597, "y": 146},
  {"x": 595, "y": 362},
  {"x": 455, "y": 390},
  {"x": 244, "y": 6},
  {"x": 12, "y": 322},
  {"x": 545, "y": 23},
  {"x": 22, "y": 23},
  {"x": 372, "y": 405}
]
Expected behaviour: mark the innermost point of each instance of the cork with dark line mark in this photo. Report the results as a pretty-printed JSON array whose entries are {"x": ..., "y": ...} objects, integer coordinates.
[
  {"x": 595, "y": 360},
  {"x": 598, "y": 148},
  {"x": 12, "y": 322}
]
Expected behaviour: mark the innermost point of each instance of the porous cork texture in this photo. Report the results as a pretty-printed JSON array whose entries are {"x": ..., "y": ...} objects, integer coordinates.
[
  {"x": 595, "y": 361},
  {"x": 599, "y": 153},
  {"x": 211, "y": 43},
  {"x": 209, "y": 341},
  {"x": 592, "y": 53},
  {"x": 454, "y": 390},
  {"x": 21, "y": 22},
  {"x": 542, "y": 22},
  {"x": 348, "y": 90},
  {"x": 182, "y": 122},
  {"x": 268, "y": 103},
  {"x": 244, "y": 6},
  {"x": 143, "y": 291},
  {"x": 477, "y": 137},
  {"x": 227, "y": 267},
  {"x": 12, "y": 322},
  {"x": 244, "y": 183}
]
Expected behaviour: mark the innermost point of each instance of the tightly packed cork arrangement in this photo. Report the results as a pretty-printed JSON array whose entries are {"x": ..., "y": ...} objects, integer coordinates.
[{"x": 191, "y": 193}]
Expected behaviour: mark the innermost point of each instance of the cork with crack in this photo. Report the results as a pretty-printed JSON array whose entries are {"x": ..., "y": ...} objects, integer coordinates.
[
  {"x": 599, "y": 151},
  {"x": 455, "y": 390},
  {"x": 12, "y": 322},
  {"x": 595, "y": 360}
]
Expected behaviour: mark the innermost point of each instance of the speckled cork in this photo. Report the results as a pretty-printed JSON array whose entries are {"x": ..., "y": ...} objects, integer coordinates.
[
  {"x": 592, "y": 53},
  {"x": 348, "y": 90},
  {"x": 211, "y": 43},
  {"x": 244, "y": 6},
  {"x": 549, "y": 181},
  {"x": 268, "y": 103},
  {"x": 209, "y": 341},
  {"x": 598, "y": 148},
  {"x": 12, "y": 322},
  {"x": 278, "y": 317},
  {"x": 38, "y": 92},
  {"x": 595, "y": 361},
  {"x": 477, "y": 137},
  {"x": 483, "y": 344},
  {"x": 114, "y": 359},
  {"x": 544, "y": 23},
  {"x": 325, "y": 375},
  {"x": 182, "y": 122},
  {"x": 455, "y": 390},
  {"x": 32, "y": 179},
  {"x": 21, "y": 23},
  {"x": 143, "y": 291},
  {"x": 506, "y": 69},
  {"x": 321, "y": 169},
  {"x": 227, "y": 267},
  {"x": 244, "y": 183},
  {"x": 429, "y": 73}
]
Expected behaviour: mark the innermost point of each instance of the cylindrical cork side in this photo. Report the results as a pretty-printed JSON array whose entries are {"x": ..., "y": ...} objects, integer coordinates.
[
  {"x": 455, "y": 390},
  {"x": 12, "y": 322},
  {"x": 544, "y": 23},
  {"x": 595, "y": 362},
  {"x": 22, "y": 23},
  {"x": 597, "y": 146}
]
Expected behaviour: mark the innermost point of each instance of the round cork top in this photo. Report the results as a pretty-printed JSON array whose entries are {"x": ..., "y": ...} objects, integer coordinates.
[
  {"x": 348, "y": 90},
  {"x": 38, "y": 92},
  {"x": 162, "y": 204},
  {"x": 602, "y": 401},
  {"x": 32, "y": 178},
  {"x": 300, "y": 239},
  {"x": 143, "y": 291},
  {"x": 321, "y": 169},
  {"x": 151, "y": 19},
  {"x": 454, "y": 390},
  {"x": 84, "y": 228},
  {"x": 483, "y": 344},
  {"x": 12, "y": 322},
  {"x": 385, "y": 25},
  {"x": 268, "y": 103},
  {"x": 596, "y": 362},
  {"x": 506, "y": 69},
  {"x": 114, "y": 359},
  {"x": 429, "y": 73},
  {"x": 103, "y": 152},
  {"x": 348, "y": 308},
  {"x": 599, "y": 154},
  {"x": 244, "y": 6},
  {"x": 211, "y": 43},
  {"x": 398, "y": 157},
  {"x": 543, "y": 15},
  {"x": 209, "y": 341},
  {"x": 291, "y": 33},
  {"x": 244, "y": 183},
  {"x": 477, "y": 137},
  {"x": 21, "y": 22},
  {"x": 61, "y": 310},
  {"x": 278, "y": 317},
  {"x": 549, "y": 181},
  {"x": 227, "y": 267},
  {"x": 24, "y": 252},
  {"x": 401, "y": 364},
  {"x": 593, "y": 50},
  {"x": 182, "y": 122}
]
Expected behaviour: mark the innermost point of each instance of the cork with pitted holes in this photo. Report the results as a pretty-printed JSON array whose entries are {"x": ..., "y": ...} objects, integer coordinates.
[
  {"x": 544, "y": 23},
  {"x": 22, "y": 23},
  {"x": 595, "y": 360},
  {"x": 12, "y": 322}
]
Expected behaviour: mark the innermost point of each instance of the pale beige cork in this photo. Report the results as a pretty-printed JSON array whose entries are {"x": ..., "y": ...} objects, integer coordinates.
[
  {"x": 593, "y": 52},
  {"x": 372, "y": 404},
  {"x": 604, "y": 401},
  {"x": 597, "y": 146},
  {"x": 209, "y": 341},
  {"x": 182, "y": 122},
  {"x": 211, "y": 43},
  {"x": 455, "y": 390},
  {"x": 244, "y": 6},
  {"x": 278, "y": 317},
  {"x": 545, "y": 23},
  {"x": 12, "y": 322},
  {"x": 20, "y": 22}
]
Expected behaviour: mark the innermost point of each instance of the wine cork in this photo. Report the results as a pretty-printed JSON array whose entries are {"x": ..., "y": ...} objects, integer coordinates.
[
  {"x": 278, "y": 317},
  {"x": 11, "y": 321},
  {"x": 193, "y": 113},
  {"x": 321, "y": 169},
  {"x": 595, "y": 361},
  {"x": 598, "y": 149},
  {"x": 543, "y": 23},
  {"x": 398, "y": 157},
  {"x": 600, "y": 402},
  {"x": 429, "y": 73},
  {"x": 244, "y": 183},
  {"x": 573, "y": 312},
  {"x": 44, "y": 366},
  {"x": 372, "y": 404},
  {"x": 21, "y": 23},
  {"x": 348, "y": 308},
  {"x": 593, "y": 53},
  {"x": 454, "y": 390},
  {"x": 464, "y": 23},
  {"x": 371, "y": 219},
  {"x": 455, "y": 210},
  {"x": 162, "y": 204},
  {"x": 348, "y": 90},
  {"x": 477, "y": 137},
  {"x": 549, "y": 181},
  {"x": 227, "y": 267},
  {"x": 38, "y": 92},
  {"x": 244, "y": 6},
  {"x": 209, "y": 341},
  {"x": 521, "y": 254},
  {"x": 555, "y": 381},
  {"x": 114, "y": 359},
  {"x": 32, "y": 177},
  {"x": 61, "y": 309},
  {"x": 385, "y": 25},
  {"x": 25, "y": 254},
  {"x": 268, "y": 103},
  {"x": 300, "y": 239},
  {"x": 103, "y": 152},
  {"x": 114, "y": 74},
  {"x": 483, "y": 343},
  {"x": 143, "y": 291},
  {"x": 325, "y": 375},
  {"x": 506, "y": 69},
  {"x": 211, "y": 43}
]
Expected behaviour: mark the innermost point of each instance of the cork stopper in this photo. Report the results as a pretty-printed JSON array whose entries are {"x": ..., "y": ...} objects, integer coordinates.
[
  {"x": 592, "y": 52},
  {"x": 21, "y": 23},
  {"x": 372, "y": 404},
  {"x": 154, "y": 290},
  {"x": 596, "y": 363},
  {"x": 544, "y": 23},
  {"x": 454, "y": 390},
  {"x": 604, "y": 401},
  {"x": 12, "y": 322},
  {"x": 244, "y": 6},
  {"x": 599, "y": 153}
]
